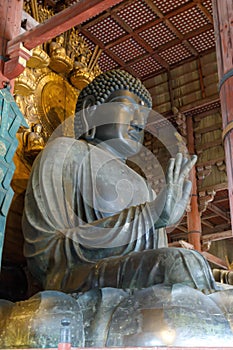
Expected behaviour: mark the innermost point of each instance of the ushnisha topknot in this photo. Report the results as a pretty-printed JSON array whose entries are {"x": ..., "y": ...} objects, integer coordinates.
[
  {"x": 103, "y": 86},
  {"x": 106, "y": 83}
]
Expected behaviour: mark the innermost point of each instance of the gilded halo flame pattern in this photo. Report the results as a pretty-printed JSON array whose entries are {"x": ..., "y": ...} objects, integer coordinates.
[{"x": 47, "y": 90}]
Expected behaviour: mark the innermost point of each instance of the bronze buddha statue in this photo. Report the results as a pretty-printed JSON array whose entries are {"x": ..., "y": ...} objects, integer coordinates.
[
  {"x": 95, "y": 230},
  {"x": 81, "y": 232}
]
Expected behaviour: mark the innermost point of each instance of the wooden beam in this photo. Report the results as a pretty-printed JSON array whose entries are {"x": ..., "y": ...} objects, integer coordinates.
[
  {"x": 212, "y": 162},
  {"x": 63, "y": 21},
  {"x": 222, "y": 199},
  {"x": 204, "y": 10},
  {"x": 142, "y": 42},
  {"x": 210, "y": 144},
  {"x": 218, "y": 187},
  {"x": 175, "y": 65},
  {"x": 192, "y": 107},
  {"x": 206, "y": 223},
  {"x": 204, "y": 130},
  {"x": 92, "y": 38},
  {"x": 206, "y": 113},
  {"x": 215, "y": 260},
  {"x": 219, "y": 212},
  {"x": 218, "y": 236},
  {"x": 181, "y": 243},
  {"x": 217, "y": 228},
  {"x": 208, "y": 216},
  {"x": 172, "y": 27},
  {"x": 10, "y": 25},
  {"x": 182, "y": 228}
]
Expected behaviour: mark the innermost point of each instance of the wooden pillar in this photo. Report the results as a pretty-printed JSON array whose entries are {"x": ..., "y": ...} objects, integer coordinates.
[
  {"x": 10, "y": 24},
  {"x": 193, "y": 217},
  {"x": 223, "y": 23}
]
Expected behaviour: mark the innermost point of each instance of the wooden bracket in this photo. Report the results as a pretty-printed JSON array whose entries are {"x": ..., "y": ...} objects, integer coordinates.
[{"x": 18, "y": 57}]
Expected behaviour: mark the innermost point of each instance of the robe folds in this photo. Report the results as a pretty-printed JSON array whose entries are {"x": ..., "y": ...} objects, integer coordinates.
[{"x": 87, "y": 223}]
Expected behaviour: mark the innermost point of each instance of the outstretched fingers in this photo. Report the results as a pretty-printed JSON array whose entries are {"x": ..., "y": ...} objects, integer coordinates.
[
  {"x": 170, "y": 169},
  {"x": 187, "y": 167},
  {"x": 177, "y": 167},
  {"x": 186, "y": 191}
]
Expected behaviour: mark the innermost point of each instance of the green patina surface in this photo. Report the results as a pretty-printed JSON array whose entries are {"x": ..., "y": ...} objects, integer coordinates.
[{"x": 10, "y": 120}]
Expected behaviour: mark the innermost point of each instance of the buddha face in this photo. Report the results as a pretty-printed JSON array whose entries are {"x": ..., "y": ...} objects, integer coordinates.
[{"x": 123, "y": 128}]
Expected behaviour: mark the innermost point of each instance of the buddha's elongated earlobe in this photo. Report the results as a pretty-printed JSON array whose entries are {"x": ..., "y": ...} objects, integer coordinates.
[{"x": 86, "y": 114}]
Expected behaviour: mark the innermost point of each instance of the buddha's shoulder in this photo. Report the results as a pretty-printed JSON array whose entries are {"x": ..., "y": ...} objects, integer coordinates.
[
  {"x": 61, "y": 151},
  {"x": 66, "y": 144}
]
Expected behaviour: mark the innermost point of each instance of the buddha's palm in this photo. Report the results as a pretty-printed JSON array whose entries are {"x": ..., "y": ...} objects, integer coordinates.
[{"x": 173, "y": 200}]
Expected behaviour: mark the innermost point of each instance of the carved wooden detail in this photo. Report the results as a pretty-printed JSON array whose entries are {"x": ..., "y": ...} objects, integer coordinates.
[
  {"x": 47, "y": 90},
  {"x": 205, "y": 198}
]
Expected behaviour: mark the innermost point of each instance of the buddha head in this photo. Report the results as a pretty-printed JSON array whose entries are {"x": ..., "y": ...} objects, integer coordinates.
[{"x": 113, "y": 109}]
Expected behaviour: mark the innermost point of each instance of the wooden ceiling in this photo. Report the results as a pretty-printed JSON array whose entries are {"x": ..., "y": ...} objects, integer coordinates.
[{"x": 146, "y": 37}]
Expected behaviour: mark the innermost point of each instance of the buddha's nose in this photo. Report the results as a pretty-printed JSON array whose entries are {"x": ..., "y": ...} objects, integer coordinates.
[{"x": 139, "y": 116}]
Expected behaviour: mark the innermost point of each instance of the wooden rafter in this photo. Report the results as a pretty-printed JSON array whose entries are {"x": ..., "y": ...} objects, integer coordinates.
[
  {"x": 219, "y": 212},
  {"x": 63, "y": 21},
  {"x": 218, "y": 236},
  {"x": 156, "y": 53},
  {"x": 214, "y": 259},
  {"x": 142, "y": 42},
  {"x": 217, "y": 228},
  {"x": 182, "y": 228},
  {"x": 203, "y": 9},
  {"x": 207, "y": 223}
]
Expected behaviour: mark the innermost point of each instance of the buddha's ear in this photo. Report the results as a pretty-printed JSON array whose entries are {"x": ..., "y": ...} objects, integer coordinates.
[
  {"x": 87, "y": 112},
  {"x": 88, "y": 101}
]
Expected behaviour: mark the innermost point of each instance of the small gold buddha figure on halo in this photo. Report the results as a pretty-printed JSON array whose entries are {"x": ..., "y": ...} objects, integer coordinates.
[
  {"x": 33, "y": 141},
  {"x": 80, "y": 75},
  {"x": 60, "y": 62}
]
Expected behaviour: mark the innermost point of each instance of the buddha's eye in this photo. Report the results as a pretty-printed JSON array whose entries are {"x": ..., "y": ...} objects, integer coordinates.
[
  {"x": 129, "y": 107},
  {"x": 136, "y": 125}
]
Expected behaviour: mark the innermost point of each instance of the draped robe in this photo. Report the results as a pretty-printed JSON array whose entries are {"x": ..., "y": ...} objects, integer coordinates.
[{"x": 87, "y": 223}]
